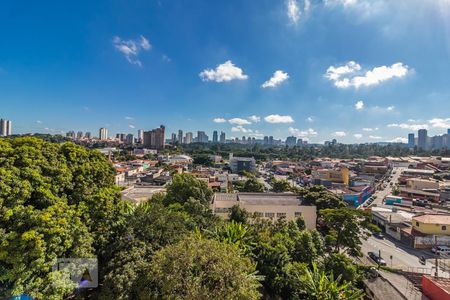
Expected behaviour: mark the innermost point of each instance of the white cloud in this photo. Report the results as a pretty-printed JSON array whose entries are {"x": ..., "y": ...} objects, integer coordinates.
[
  {"x": 348, "y": 75},
  {"x": 277, "y": 78},
  {"x": 310, "y": 119},
  {"x": 39, "y": 121},
  {"x": 359, "y": 105},
  {"x": 375, "y": 137},
  {"x": 239, "y": 121},
  {"x": 399, "y": 140},
  {"x": 131, "y": 48},
  {"x": 370, "y": 129},
  {"x": 390, "y": 108},
  {"x": 302, "y": 133},
  {"x": 219, "y": 120},
  {"x": 222, "y": 73},
  {"x": 240, "y": 128},
  {"x": 340, "y": 133},
  {"x": 129, "y": 118},
  {"x": 295, "y": 11},
  {"x": 413, "y": 127},
  {"x": 335, "y": 73},
  {"x": 254, "y": 119},
  {"x": 131, "y": 126},
  {"x": 440, "y": 123},
  {"x": 358, "y": 135},
  {"x": 278, "y": 119}
]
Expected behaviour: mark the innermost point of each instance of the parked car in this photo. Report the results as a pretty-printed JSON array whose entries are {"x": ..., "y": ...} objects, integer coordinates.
[
  {"x": 377, "y": 259},
  {"x": 440, "y": 250},
  {"x": 379, "y": 235}
]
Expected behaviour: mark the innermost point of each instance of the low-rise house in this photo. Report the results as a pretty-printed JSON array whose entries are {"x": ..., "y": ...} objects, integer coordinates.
[{"x": 266, "y": 205}]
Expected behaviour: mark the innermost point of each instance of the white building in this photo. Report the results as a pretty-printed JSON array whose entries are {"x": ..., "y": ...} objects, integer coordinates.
[
  {"x": 103, "y": 134},
  {"x": 239, "y": 164},
  {"x": 5, "y": 127}
]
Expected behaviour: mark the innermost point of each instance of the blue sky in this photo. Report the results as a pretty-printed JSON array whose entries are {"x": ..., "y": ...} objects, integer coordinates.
[{"x": 355, "y": 70}]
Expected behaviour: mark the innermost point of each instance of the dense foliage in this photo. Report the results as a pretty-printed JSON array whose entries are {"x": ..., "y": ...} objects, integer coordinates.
[{"x": 59, "y": 200}]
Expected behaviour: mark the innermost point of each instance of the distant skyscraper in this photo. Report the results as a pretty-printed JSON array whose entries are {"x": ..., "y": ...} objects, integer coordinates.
[
  {"x": 215, "y": 136},
  {"x": 79, "y": 135},
  {"x": 5, "y": 127},
  {"x": 70, "y": 134},
  {"x": 299, "y": 142},
  {"x": 222, "y": 137},
  {"x": 103, "y": 134},
  {"x": 422, "y": 139},
  {"x": 173, "y": 138},
  {"x": 88, "y": 135},
  {"x": 266, "y": 140},
  {"x": 189, "y": 137},
  {"x": 291, "y": 141},
  {"x": 202, "y": 137},
  {"x": 270, "y": 140},
  {"x": 129, "y": 139},
  {"x": 156, "y": 138},
  {"x": 448, "y": 131},
  {"x": 140, "y": 136},
  {"x": 180, "y": 136},
  {"x": 411, "y": 140}
]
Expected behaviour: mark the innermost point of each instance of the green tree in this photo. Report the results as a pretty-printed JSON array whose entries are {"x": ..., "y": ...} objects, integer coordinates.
[
  {"x": 344, "y": 228},
  {"x": 279, "y": 186},
  {"x": 238, "y": 214},
  {"x": 252, "y": 185},
  {"x": 319, "y": 196},
  {"x": 185, "y": 186},
  {"x": 338, "y": 263},
  {"x": 200, "y": 269}
]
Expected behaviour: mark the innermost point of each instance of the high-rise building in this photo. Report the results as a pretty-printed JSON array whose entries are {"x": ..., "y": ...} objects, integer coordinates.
[
  {"x": 270, "y": 140},
  {"x": 299, "y": 142},
  {"x": 202, "y": 137},
  {"x": 180, "y": 136},
  {"x": 121, "y": 137},
  {"x": 155, "y": 139},
  {"x": 411, "y": 140},
  {"x": 103, "y": 134},
  {"x": 215, "y": 136},
  {"x": 173, "y": 138},
  {"x": 140, "y": 136},
  {"x": 5, "y": 127},
  {"x": 266, "y": 140},
  {"x": 129, "y": 139},
  {"x": 222, "y": 137},
  {"x": 88, "y": 135},
  {"x": 422, "y": 140},
  {"x": 291, "y": 141},
  {"x": 188, "y": 138},
  {"x": 70, "y": 134}
]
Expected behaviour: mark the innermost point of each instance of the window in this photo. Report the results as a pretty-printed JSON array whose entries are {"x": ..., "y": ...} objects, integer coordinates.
[
  {"x": 281, "y": 215},
  {"x": 417, "y": 224},
  {"x": 269, "y": 214},
  {"x": 444, "y": 227},
  {"x": 258, "y": 214},
  {"x": 298, "y": 214}
]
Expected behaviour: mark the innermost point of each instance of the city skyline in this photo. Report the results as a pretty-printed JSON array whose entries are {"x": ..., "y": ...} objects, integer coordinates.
[{"x": 266, "y": 69}]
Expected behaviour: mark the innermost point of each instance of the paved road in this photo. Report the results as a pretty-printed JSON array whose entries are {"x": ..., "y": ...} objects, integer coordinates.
[{"x": 403, "y": 257}]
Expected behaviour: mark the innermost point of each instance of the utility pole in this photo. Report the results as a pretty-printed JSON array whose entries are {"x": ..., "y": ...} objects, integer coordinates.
[
  {"x": 436, "y": 259},
  {"x": 379, "y": 258}
]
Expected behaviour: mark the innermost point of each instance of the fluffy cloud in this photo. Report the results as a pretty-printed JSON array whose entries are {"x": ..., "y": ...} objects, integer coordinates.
[
  {"x": 310, "y": 119},
  {"x": 240, "y": 128},
  {"x": 277, "y": 78},
  {"x": 239, "y": 121},
  {"x": 358, "y": 135},
  {"x": 440, "y": 123},
  {"x": 413, "y": 127},
  {"x": 390, "y": 108},
  {"x": 294, "y": 11},
  {"x": 222, "y": 73},
  {"x": 302, "y": 133},
  {"x": 278, "y": 119},
  {"x": 131, "y": 126},
  {"x": 131, "y": 48},
  {"x": 349, "y": 75},
  {"x": 254, "y": 119},
  {"x": 340, "y": 133},
  {"x": 399, "y": 140},
  {"x": 375, "y": 137},
  {"x": 359, "y": 105},
  {"x": 219, "y": 120},
  {"x": 370, "y": 129}
]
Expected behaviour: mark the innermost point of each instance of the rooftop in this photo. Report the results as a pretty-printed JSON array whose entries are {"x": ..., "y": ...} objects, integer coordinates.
[
  {"x": 433, "y": 219},
  {"x": 260, "y": 198}
]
